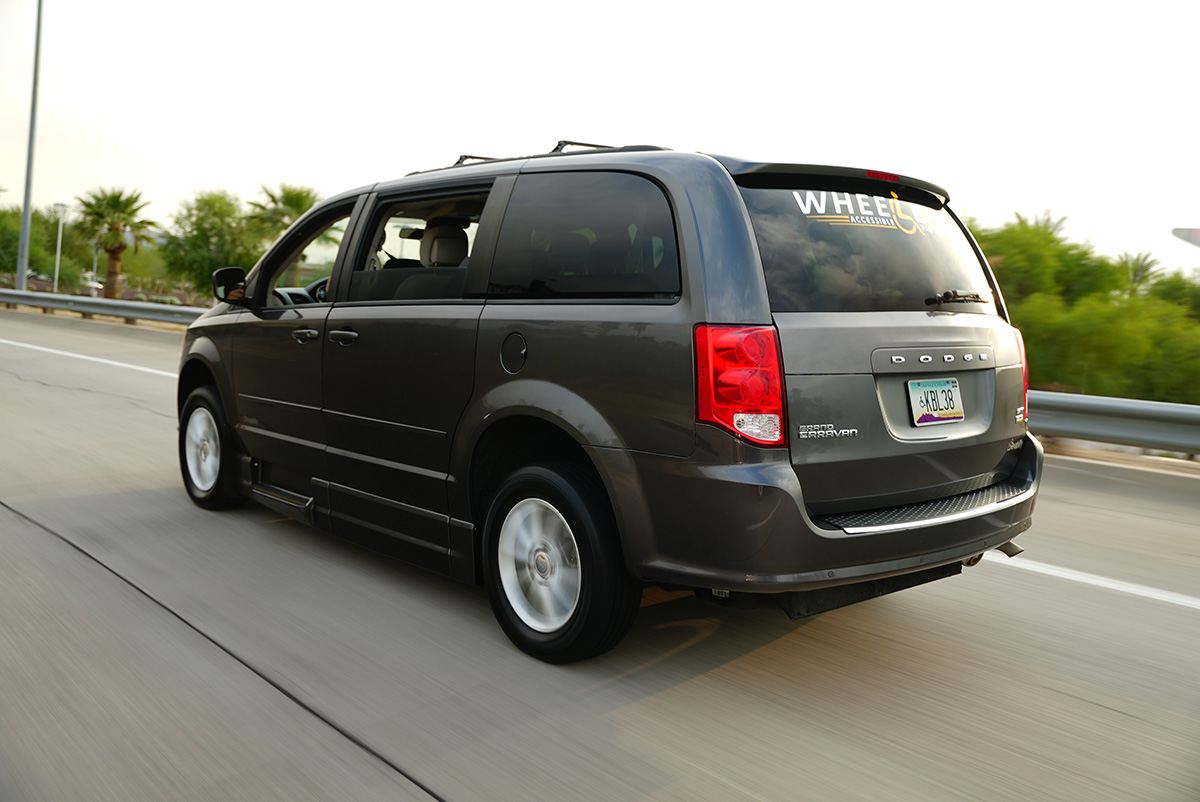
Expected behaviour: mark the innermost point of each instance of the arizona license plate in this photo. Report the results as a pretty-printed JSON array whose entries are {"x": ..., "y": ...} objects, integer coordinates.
[{"x": 935, "y": 401}]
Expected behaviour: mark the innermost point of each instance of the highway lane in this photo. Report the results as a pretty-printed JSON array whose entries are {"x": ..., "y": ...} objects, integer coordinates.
[{"x": 999, "y": 684}]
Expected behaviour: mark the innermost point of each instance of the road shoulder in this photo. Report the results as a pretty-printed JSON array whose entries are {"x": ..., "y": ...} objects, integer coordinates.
[{"x": 105, "y": 695}]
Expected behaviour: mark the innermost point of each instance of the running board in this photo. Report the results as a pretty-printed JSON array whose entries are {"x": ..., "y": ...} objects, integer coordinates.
[{"x": 283, "y": 501}]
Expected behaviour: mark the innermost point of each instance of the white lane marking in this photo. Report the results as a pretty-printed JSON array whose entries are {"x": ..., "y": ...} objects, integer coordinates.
[
  {"x": 1144, "y": 591},
  {"x": 168, "y": 374}
]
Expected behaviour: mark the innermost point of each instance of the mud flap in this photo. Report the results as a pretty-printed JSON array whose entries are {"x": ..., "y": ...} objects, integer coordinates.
[{"x": 803, "y": 603}]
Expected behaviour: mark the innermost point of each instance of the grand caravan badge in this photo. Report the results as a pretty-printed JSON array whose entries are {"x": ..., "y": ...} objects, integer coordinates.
[{"x": 872, "y": 211}]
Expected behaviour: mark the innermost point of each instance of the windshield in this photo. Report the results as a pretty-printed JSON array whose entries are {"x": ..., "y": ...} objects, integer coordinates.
[{"x": 825, "y": 251}]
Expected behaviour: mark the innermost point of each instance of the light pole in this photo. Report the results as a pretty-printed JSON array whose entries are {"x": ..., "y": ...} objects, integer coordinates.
[
  {"x": 27, "y": 210},
  {"x": 1191, "y": 235},
  {"x": 60, "y": 208}
]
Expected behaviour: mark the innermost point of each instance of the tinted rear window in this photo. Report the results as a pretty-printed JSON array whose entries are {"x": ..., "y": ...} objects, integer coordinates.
[
  {"x": 825, "y": 251},
  {"x": 586, "y": 235}
]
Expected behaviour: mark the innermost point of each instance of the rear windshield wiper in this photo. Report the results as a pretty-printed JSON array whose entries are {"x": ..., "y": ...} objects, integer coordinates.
[{"x": 956, "y": 297}]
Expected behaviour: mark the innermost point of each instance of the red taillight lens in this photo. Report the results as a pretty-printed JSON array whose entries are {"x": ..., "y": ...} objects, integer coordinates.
[
  {"x": 739, "y": 383},
  {"x": 1024, "y": 374}
]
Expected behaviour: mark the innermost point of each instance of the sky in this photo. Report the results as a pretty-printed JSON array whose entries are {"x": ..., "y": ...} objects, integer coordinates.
[{"x": 1017, "y": 107}]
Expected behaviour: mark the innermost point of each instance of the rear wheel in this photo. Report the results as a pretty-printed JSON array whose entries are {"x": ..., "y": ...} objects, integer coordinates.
[
  {"x": 554, "y": 569},
  {"x": 206, "y": 456}
]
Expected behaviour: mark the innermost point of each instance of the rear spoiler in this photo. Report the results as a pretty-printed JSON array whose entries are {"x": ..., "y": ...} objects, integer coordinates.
[{"x": 842, "y": 179}]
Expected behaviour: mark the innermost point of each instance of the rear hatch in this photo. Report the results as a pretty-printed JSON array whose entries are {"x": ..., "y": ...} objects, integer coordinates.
[{"x": 904, "y": 381}]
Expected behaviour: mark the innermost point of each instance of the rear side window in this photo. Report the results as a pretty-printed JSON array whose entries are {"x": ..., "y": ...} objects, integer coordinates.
[
  {"x": 825, "y": 251},
  {"x": 585, "y": 235}
]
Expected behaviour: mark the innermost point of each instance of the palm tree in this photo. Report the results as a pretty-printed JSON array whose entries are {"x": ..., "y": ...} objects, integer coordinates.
[
  {"x": 1138, "y": 271},
  {"x": 272, "y": 217},
  {"x": 109, "y": 217}
]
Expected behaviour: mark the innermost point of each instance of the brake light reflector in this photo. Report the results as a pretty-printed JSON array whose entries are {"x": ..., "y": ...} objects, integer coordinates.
[
  {"x": 739, "y": 383},
  {"x": 1023, "y": 413}
]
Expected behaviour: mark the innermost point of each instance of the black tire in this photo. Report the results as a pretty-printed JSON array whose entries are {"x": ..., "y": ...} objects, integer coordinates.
[
  {"x": 206, "y": 453},
  {"x": 554, "y": 605}
]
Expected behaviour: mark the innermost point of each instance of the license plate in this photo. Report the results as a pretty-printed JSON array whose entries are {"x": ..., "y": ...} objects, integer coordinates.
[{"x": 935, "y": 401}]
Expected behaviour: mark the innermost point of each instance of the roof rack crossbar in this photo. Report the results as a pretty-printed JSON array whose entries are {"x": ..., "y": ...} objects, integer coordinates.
[
  {"x": 563, "y": 143},
  {"x": 558, "y": 151}
]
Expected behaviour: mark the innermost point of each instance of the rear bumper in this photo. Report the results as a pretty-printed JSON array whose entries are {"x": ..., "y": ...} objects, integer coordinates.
[{"x": 732, "y": 517}]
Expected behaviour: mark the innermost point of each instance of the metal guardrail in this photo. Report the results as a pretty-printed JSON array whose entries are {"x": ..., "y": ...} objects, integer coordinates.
[
  {"x": 130, "y": 310},
  {"x": 1123, "y": 421}
]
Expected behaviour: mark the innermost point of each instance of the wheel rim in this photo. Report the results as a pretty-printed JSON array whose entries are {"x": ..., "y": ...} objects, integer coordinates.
[
  {"x": 539, "y": 565},
  {"x": 202, "y": 449}
]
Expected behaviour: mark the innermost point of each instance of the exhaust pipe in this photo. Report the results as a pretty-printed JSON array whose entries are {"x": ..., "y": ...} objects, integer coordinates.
[
  {"x": 1009, "y": 549},
  {"x": 972, "y": 560}
]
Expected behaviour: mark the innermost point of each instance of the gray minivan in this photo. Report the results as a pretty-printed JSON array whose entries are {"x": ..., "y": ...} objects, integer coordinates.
[{"x": 570, "y": 375}]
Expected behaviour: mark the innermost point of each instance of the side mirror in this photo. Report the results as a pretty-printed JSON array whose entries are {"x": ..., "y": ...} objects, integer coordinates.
[{"x": 229, "y": 285}]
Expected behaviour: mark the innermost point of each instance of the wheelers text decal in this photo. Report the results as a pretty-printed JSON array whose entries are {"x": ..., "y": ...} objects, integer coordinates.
[{"x": 872, "y": 211}]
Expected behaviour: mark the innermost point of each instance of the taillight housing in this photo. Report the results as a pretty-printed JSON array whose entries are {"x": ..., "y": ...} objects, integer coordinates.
[
  {"x": 1023, "y": 413},
  {"x": 739, "y": 382}
]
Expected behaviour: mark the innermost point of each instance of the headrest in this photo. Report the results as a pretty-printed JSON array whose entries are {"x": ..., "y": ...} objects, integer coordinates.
[{"x": 443, "y": 246}]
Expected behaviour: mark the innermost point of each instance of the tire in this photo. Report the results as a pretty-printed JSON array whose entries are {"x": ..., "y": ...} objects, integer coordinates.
[
  {"x": 206, "y": 453},
  {"x": 553, "y": 566}
]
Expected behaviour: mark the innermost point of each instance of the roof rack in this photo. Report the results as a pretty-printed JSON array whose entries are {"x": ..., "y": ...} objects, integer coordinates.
[
  {"x": 463, "y": 159},
  {"x": 559, "y": 150},
  {"x": 563, "y": 143}
]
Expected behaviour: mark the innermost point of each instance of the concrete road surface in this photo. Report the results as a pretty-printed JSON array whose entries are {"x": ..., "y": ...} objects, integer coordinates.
[{"x": 150, "y": 650}]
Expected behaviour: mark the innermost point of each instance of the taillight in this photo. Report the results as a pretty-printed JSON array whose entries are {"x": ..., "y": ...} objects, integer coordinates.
[
  {"x": 1024, "y": 411},
  {"x": 739, "y": 383}
]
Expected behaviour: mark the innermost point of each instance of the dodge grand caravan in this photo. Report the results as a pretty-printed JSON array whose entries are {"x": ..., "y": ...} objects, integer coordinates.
[{"x": 571, "y": 375}]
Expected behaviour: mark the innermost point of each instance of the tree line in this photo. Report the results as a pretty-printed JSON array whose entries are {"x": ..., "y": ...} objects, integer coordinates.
[
  {"x": 212, "y": 230},
  {"x": 1120, "y": 326},
  {"x": 1123, "y": 327}
]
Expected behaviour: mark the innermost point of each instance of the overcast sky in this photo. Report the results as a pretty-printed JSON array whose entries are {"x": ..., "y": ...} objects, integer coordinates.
[{"x": 1086, "y": 112}]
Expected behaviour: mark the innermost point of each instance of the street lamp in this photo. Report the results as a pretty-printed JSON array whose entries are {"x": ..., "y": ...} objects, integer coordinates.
[
  {"x": 1191, "y": 235},
  {"x": 27, "y": 209},
  {"x": 60, "y": 208}
]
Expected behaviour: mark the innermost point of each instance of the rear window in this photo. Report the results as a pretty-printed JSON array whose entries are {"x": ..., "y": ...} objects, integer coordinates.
[{"x": 826, "y": 251}]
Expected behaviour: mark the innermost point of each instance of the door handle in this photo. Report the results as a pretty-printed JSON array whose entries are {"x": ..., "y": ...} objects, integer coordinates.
[
  {"x": 304, "y": 335},
  {"x": 343, "y": 336}
]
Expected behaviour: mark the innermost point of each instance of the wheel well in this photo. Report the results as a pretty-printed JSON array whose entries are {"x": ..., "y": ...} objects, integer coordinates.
[
  {"x": 194, "y": 374},
  {"x": 508, "y": 445}
]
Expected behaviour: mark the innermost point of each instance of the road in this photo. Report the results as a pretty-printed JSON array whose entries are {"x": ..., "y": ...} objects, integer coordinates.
[{"x": 150, "y": 650}]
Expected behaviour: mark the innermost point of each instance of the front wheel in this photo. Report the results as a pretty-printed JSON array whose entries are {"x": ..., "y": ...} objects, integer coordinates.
[
  {"x": 555, "y": 574},
  {"x": 206, "y": 456}
]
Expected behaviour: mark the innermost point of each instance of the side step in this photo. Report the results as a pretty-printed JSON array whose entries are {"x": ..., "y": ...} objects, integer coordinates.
[{"x": 283, "y": 501}]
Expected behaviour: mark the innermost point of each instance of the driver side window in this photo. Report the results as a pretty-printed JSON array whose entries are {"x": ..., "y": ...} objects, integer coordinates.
[{"x": 301, "y": 276}]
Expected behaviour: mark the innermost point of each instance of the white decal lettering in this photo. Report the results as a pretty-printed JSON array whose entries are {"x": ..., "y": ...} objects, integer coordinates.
[
  {"x": 810, "y": 201},
  {"x": 864, "y": 204},
  {"x": 837, "y": 202},
  {"x": 881, "y": 207}
]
